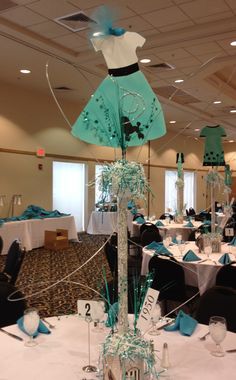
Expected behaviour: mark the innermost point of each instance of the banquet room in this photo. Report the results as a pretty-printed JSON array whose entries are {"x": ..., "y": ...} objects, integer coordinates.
[{"x": 118, "y": 189}]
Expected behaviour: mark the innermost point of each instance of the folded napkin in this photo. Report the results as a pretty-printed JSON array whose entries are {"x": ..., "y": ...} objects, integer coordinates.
[
  {"x": 41, "y": 327},
  {"x": 154, "y": 245},
  {"x": 161, "y": 250},
  {"x": 189, "y": 224},
  {"x": 184, "y": 323},
  {"x": 159, "y": 223},
  {"x": 190, "y": 256},
  {"x": 140, "y": 220},
  {"x": 233, "y": 241},
  {"x": 225, "y": 259}
]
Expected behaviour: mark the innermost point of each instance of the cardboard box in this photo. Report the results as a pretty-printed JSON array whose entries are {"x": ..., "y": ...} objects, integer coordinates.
[{"x": 56, "y": 239}]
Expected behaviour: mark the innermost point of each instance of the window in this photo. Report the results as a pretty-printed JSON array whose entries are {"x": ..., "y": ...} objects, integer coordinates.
[
  {"x": 171, "y": 191},
  {"x": 69, "y": 190}
]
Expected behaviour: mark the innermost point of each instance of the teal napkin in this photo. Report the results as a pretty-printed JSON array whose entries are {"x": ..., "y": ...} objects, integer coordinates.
[
  {"x": 184, "y": 323},
  {"x": 140, "y": 220},
  {"x": 189, "y": 224},
  {"x": 159, "y": 223},
  {"x": 161, "y": 250},
  {"x": 233, "y": 241},
  {"x": 41, "y": 327},
  {"x": 154, "y": 245},
  {"x": 225, "y": 259},
  {"x": 190, "y": 256}
]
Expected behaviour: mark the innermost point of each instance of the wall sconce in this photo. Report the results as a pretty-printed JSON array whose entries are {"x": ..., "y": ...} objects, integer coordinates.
[
  {"x": 15, "y": 201},
  {"x": 2, "y": 200}
]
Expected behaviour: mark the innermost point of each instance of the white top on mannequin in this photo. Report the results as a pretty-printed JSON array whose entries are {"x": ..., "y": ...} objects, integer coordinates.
[{"x": 119, "y": 51}]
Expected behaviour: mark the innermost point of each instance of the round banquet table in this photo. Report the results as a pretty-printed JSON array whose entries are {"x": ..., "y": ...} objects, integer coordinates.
[
  {"x": 172, "y": 229},
  {"x": 62, "y": 354},
  {"x": 201, "y": 274}
]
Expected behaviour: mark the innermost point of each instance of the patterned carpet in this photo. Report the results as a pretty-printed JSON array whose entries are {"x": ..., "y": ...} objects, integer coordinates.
[{"x": 42, "y": 267}]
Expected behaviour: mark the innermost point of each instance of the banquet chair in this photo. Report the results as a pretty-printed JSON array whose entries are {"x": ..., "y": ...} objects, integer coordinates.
[
  {"x": 111, "y": 256},
  {"x": 226, "y": 276},
  {"x": 147, "y": 226},
  {"x": 191, "y": 211},
  {"x": 218, "y": 300},
  {"x": 169, "y": 279},
  {"x": 10, "y": 310},
  {"x": 138, "y": 215},
  {"x": 192, "y": 236},
  {"x": 150, "y": 235},
  {"x": 166, "y": 214},
  {"x": 14, "y": 259},
  {"x": 1, "y": 245}
]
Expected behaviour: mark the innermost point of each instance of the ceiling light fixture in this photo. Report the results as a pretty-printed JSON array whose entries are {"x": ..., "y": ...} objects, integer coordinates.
[
  {"x": 25, "y": 71},
  {"x": 172, "y": 121},
  {"x": 233, "y": 43},
  {"x": 145, "y": 60},
  {"x": 197, "y": 129},
  {"x": 217, "y": 102},
  {"x": 231, "y": 141},
  {"x": 233, "y": 111},
  {"x": 179, "y": 80}
]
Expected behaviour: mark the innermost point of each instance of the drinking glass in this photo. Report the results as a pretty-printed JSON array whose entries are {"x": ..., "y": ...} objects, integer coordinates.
[
  {"x": 98, "y": 316},
  {"x": 31, "y": 323},
  {"x": 179, "y": 238},
  {"x": 208, "y": 250},
  {"x": 218, "y": 330},
  {"x": 154, "y": 319}
]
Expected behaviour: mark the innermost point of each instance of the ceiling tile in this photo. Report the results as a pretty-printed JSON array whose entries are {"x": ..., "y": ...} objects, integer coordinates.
[
  {"x": 172, "y": 54},
  {"x": 181, "y": 1},
  {"x": 22, "y": 16},
  {"x": 217, "y": 16},
  {"x": 24, "y": 2},
  {"x": 71, "y": 40},
  {"x": 231, "y": 3},
  {"x": 149, "y": 33},
  {"x": 210, "y": 47},
  {"x": 206, "y": 57},
  {"x": 180, "y": 25},
  {"x": 169, "y": 74},
  {"x": 136, "y": 24},
  {"x": 84, "y": 4},
  {"x": 163, "y": 17},
  {"x": 53, "y": 8},
  {"x": 149, "y": 5},
  {"x": 201, "y": 8},
  {"x": 49, "y": 29},
  {"x": 179, "y": 63}
]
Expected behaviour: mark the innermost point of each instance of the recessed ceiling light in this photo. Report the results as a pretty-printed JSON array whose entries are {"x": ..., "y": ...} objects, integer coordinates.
[
  {"x": 25, "y": 71},
  {"x": 96, "y": 34},
  {"x": 197, "y": 129},
  {"x": 195, "y": 138},
  {"x": 179, "y": 80},
  {"x": 145, "y": 60},
  {"x": 232, "y": 111},
  {"x": 217, "y": 102},
  {"x": 233, "y": 43},
  {"x": 231, "y": 140},
  {"x": 172, "y": 121}
]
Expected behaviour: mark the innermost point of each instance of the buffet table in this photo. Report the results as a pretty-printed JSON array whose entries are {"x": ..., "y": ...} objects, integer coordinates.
[
  {"x": 201, "y": 274},
  {"x": 31, "y": 231},
  {"x": 62, "y": 354}
]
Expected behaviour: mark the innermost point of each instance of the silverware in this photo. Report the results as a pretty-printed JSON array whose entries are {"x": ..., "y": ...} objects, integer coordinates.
[
  {"x": 204, "y": 336},
  {"x": 231, "y": 351},
  {"x": 202, "y": 261},
  {"x": 48, "y": 323},
  {"x": 12, "y": 335}
]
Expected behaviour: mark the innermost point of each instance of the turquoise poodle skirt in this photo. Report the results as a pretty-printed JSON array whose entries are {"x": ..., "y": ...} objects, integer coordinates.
[{"x": 124, "y": 111}]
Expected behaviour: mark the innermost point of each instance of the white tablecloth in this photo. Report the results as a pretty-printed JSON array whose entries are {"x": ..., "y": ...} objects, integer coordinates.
[
  {"x": 62, "y": 354},
  {"x": 201, "y": 274},
  {"x": 171, "y": 228},
  {"x": 31, "y": 231}
]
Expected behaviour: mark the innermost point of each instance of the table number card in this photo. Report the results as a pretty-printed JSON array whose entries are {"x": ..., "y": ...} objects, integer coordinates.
[
  {"x": 229, "y": 231},
  {"x": 147, "y": 309},
  {"x": 89, "y": 309}
]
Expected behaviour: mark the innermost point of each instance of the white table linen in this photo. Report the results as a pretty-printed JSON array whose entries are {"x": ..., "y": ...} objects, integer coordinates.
[
  {"x": 171, "y": 228},
  {"x": 31, "y": 231},
  {"x": 200, "y": 274},
  {"x": 62, "y": 354}
]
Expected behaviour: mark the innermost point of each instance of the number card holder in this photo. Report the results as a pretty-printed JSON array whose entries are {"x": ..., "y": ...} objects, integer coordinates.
[
  {"x": 229, "y": 231},
  {"x": 145, "y": 315},
  {"x": 90, "y": 309}
]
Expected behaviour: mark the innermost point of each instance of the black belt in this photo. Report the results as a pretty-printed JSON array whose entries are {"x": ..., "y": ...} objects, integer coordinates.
[{"x": 121, "y": 71}]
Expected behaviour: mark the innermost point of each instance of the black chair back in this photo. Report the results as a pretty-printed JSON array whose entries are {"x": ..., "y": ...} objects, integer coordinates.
[
  {"x": 168, "y": 278},
  {"x": 15, "y": 257},
  {"x": 191, "y": 211},
  {"x": 150, "y": 235},
  {"x": 111, "y": 256},
  {"x": 218, "y": 300},
  {"x": 147, "y": 226},
  {"x": 163, "y": 216},
  {"x": 136, "y": 216},
  {"x": 10, "y": 310},
  {"x": 226, "y": 276}
]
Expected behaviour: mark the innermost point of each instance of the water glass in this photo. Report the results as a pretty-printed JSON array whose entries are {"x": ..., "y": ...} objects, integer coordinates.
[
  {"x": 31, "y": 322},
  {"x": 208, "y": 250},
  {"x": 154, "y": 320},
  {"x": 218, "y": 330}
]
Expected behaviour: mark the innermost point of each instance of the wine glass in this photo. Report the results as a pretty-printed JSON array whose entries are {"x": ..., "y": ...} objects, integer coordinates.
[
  {"x": 31, "y": 323},
  {"x": 179, "y": 238},
  {"x": 154, "y": 319},
  {"x": 218, "y": 330},
  {"x": 98, "y": 315},
  {"x": 208, "y": 250}
]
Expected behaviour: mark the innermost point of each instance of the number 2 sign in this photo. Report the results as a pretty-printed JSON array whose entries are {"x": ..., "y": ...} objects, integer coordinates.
[{"x": 93, "y": 310}]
